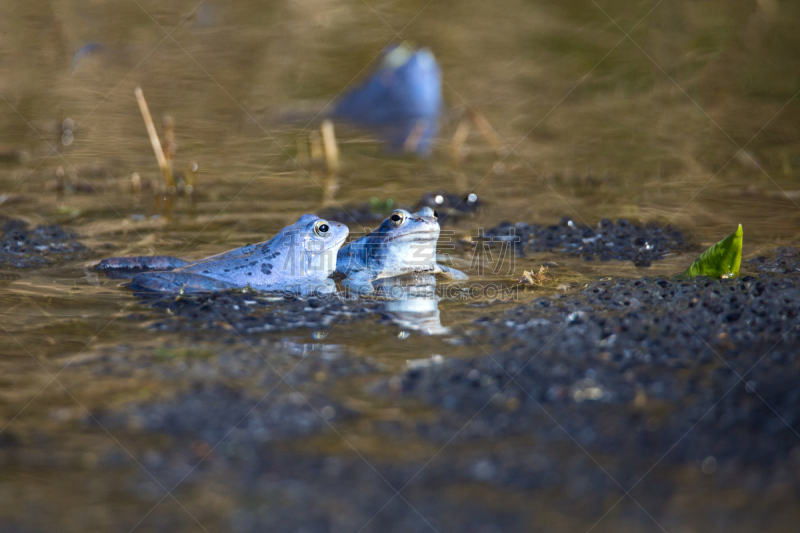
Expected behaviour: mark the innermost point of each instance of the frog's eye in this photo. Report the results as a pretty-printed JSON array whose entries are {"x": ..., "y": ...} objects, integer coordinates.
[
  {"x": 397, "y": 218},
  {"x": 321, "y": 228},
  {"x": 435, "y": 215}
]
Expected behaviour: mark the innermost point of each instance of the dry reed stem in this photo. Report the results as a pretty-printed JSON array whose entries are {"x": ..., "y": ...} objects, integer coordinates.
[
  {"x": 459, "y": 138},
  {"x": 330, "y": 147},
  {"x": 487, "y": 132},
  {"x": 166, "y": 172}
]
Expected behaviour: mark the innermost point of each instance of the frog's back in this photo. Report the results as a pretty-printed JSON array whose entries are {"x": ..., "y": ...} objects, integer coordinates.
[
  {"x": 300, "y": 258},
  {"x": 257, "y": 265}
]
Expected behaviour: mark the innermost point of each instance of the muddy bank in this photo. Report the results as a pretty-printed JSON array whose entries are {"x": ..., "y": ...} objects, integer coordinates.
[
  {"x": 669, "y": 388},
  {"x": 630, "y": 367},
  {"x": 636, "y": 384}
]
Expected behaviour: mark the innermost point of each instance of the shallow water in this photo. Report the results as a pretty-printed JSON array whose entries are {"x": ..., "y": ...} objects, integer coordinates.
[{"x": 593, "y": 125}]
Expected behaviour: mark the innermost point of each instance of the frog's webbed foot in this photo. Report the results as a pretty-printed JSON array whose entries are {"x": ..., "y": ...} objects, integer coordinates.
[
  {"x": 450, "y": 273},
  {"x": 142, "y": 262},
  {"x": 176, "y": 282}
]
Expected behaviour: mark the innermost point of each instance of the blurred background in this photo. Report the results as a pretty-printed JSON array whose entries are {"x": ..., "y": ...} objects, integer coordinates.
[{"x": 680, "y": 110}]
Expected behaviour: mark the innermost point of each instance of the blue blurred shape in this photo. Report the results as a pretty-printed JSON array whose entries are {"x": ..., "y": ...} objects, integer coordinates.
[
  {"x": 401, "y": 100},
  {"x": 207, "y": 16},
  {"x": 85, "y": 51}
]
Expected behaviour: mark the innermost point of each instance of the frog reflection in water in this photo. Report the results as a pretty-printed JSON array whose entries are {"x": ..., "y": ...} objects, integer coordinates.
[
  {"x": 411, "y": 303},
  {"x": 300, "y": 258},
  {"x": 404, "y": 243}
]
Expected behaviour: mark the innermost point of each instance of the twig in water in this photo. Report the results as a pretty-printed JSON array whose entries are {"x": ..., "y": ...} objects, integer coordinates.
[
  {"x": 459, "y": 138},
  {"x": 191, "y": 185},
  {"x": 136, "y": 184},
  {"x": 330, "y": 184},
  {"x": 487, "y": 132},
  {"x": 330, "y": 147},
  {"x": 316, "y": 148},
  {"x": 166, "y": 171},
  {"x": 169, "y": 142},
  {"x": 412, "y": 141},
  {"x": 302, "y": 151}
]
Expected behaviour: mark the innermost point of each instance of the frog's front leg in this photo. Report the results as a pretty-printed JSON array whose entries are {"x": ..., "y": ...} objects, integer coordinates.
[
  {"x": 176, "y": 282},
  {"x": 142, "y": 262},
  {"x": 449, "y": 273},
  {"x": 359, "y": 283}
]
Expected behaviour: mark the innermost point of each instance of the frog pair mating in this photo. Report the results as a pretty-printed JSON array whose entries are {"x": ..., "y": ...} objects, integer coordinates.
[{"x": 301, "y": 258}]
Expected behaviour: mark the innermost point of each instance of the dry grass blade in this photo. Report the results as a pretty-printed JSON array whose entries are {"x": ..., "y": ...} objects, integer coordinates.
[{"x": 166, "y": 171}]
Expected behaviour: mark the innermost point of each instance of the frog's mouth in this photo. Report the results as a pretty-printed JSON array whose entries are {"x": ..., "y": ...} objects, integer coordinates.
[
  {"x": 423, "y": 236},
  {"x": 334, "y": 244}
]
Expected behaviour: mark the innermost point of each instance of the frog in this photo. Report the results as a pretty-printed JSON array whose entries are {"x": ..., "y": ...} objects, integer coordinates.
[
  {"x": 299, "y": 258},
  {"x": 404, "y": 243}
]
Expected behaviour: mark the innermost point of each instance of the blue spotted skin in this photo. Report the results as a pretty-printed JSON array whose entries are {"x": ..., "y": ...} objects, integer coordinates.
[
  {"x": 394, "y": 250},
  {"x": 300, "y": 258}
]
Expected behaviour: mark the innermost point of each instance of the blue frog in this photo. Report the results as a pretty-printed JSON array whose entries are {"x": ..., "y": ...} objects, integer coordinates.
[
  {"x": 401, "y": 100},
  {"x": 299, "y": 259},
  {"x": 404, "y": 243}
]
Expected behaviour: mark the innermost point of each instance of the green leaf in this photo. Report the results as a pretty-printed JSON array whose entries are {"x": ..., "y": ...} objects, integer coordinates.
[{"x": 721, "y": 260}]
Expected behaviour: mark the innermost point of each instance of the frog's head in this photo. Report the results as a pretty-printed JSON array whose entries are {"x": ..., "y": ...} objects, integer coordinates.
[
  {"x": 310, "y": 246},
  {"x": 404, "y": 243}
]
